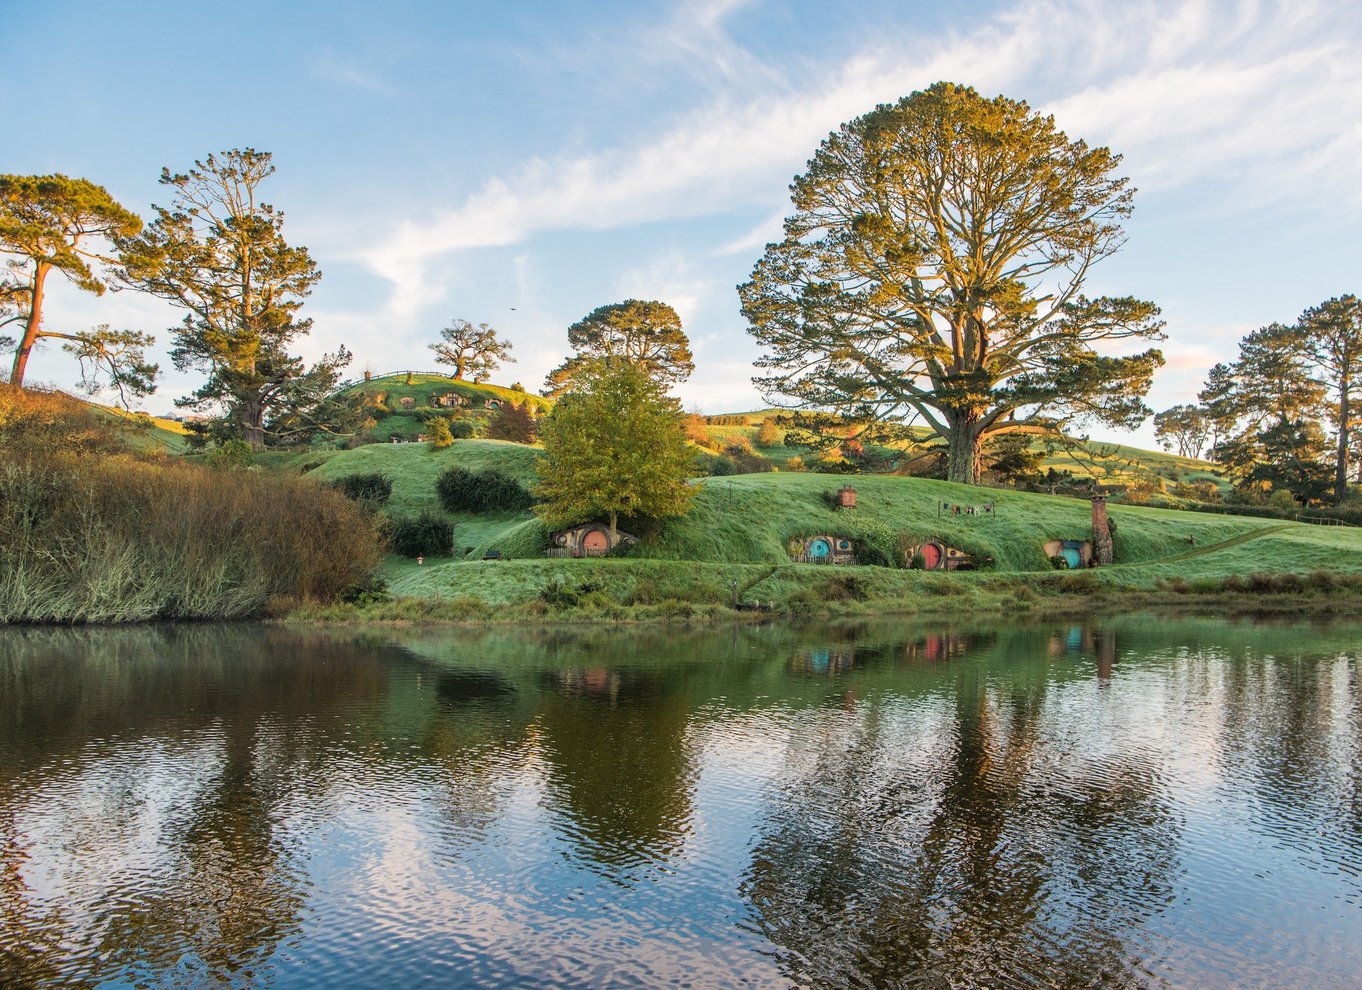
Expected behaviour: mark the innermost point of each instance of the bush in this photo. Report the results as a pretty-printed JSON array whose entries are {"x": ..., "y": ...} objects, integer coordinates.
[
  {"x": 513, "y": 422},
  {"x": 768, "y": 434},
  {"x": 116, "y": 539},
  {"x": 232, "y": 454},
  {"x": 1059, "y": 562},
  {"x": 375, "y": 488},
  {"x": 461, "y": 490},
  {"x": 746, "y": 460},
  {"x": 438, "y": 433},
  {"x": 427, "y": 535}
]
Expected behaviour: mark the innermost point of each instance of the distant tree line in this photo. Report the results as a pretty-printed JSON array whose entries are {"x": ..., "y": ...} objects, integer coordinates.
[{"x": 1282, "y": 416}]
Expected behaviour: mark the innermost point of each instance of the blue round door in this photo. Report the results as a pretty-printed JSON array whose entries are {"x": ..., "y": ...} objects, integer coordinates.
[
  {"x": 1073, "y": 557},
  {"x": 819, "y": 548}
]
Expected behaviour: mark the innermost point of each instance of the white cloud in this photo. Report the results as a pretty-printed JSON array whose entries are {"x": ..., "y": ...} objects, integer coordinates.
[{"x": 1247, "y": 93}]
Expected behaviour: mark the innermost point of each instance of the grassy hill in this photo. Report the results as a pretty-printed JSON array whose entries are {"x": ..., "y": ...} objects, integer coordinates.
[
  {"x": 739, "y": 527},
  {"x": 389, "y": 391}
]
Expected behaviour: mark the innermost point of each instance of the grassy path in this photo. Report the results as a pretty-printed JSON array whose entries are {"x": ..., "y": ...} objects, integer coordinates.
[{"x": 1210, "y": 548}]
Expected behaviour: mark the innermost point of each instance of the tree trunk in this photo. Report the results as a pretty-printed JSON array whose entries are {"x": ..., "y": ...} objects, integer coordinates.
[
  {"x": 31, "y": 331},
  {"x": 1341, "y": 467},
  {"x": 962, "y": 449},
  {"x": 252, "y": 419},
  {"x": 614, "y": 531}
]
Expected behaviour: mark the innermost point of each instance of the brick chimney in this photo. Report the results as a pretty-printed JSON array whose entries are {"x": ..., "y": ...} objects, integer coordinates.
[{"x": 1101, "y": 531}]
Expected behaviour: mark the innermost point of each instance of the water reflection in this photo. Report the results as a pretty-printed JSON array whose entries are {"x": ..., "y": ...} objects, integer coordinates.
[{"x": 1064, "y": 804}]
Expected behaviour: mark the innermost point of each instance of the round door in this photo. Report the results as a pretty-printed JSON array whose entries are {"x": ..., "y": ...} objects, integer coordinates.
[
  {"x": 596, "y": 541},
  {"x": 819, "y": 549},
  {"x": 931, "y": 555},
  {"x": 1073, "y": 558}
]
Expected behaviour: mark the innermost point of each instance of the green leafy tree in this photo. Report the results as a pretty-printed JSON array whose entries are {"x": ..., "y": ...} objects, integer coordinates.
[
  {"x": 648, "y": 334},
  {"x": 933, "y": 269},
  {"x": 218, "y": 252},
  {"x": 438, "y": 433},
  {"x": 53, "y": 223},
  {"x": 1184, "y": 428},
  {"x": 1333, "y": 334},
  {"x": 1284, "y": 456},
  {"x": 615, "y": 446},
  {"x": 473, "y": 351}
]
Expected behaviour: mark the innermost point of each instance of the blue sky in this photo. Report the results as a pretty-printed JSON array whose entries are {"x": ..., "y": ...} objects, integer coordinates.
[{"x": 523, "y": 165}]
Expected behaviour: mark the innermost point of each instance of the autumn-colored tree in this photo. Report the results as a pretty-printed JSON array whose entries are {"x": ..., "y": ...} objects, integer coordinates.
[
  {"x": 218, "y": 252},
  {"x": 614, "y": 446},
  {"x": 648, "y": 334},
  {"x": 933, "y": 268},
  {"x": 53, "y": 223},
  {"x": 513, "y": 422},
  {"x": 472, "y": 351}
]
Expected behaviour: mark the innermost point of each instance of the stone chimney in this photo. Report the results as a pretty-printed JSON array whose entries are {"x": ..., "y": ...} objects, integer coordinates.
[
  {"x": 368, "y": 375},
  {"x": 846, "y": 497},
  {"x": 1101, "y": 531}
]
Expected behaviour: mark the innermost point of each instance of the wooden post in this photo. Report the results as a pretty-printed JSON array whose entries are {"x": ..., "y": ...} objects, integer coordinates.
[{"x": 1102, "y": 549}]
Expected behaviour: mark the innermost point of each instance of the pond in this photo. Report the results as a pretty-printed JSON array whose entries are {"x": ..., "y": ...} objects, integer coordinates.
[{"x": 1135, "y": 801}]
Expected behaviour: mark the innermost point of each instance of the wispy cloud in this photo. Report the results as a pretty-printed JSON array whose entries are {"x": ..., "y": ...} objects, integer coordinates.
[
  {"x": 1246, "y": 93},
  {"x": 335, "y": 68}
]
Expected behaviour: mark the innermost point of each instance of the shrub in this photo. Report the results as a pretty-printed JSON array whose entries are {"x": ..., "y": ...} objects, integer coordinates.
[
  {"x": 121, "y": 540},
  {"x": 745, "y": 459},
  {"x": 461, "y": 490},
  {"x": 1059, "y": 562},
  {"x": 438, "y": 433},
  {"x": 768, "y": 434},
  {"x": 794, "y": 464},
  {"x": 232, "y": 454},
  {"x": 426, "y": 535},
  {"x": 375, "y": 488}
]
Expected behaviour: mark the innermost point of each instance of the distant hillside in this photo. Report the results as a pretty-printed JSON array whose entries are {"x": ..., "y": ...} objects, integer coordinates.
[{"x": 403, "y": 395}]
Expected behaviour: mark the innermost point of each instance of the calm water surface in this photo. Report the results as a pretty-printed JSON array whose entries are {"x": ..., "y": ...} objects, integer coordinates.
[{"x": 1133, "y": 802}]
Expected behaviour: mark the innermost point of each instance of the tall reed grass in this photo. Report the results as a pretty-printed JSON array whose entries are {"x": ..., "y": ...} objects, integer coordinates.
[{"x": 92, "y": 536}]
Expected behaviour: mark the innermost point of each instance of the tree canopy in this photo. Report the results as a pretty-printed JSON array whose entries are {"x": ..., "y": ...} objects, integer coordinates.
[
  {"x": 1184, "y": 428},
  {"x": 471, "y": 350},
  {"x": 614, "y": 446},
  {"x": 933, "y": 268},
  {"x": 648, "y": 334},
  {"x": 55, "y": 223},
  {"x": 1333, "y": 334},
  {"x": 219, "y": 253}
]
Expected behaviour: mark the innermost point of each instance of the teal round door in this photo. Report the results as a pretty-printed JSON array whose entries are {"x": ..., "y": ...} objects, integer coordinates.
[
  {"x": 819, "y": 549},
  {"x": 1073, "y": 557}
]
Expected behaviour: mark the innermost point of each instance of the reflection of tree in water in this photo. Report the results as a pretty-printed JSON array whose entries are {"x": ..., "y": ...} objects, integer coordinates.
[
  {"x": 235, "y": 896},
  {"x": 1291, "y": 733},
  {"x": 239, "y": 735},
  {"x": 973, "y": 859},
  {"x": 619, "y": 765}
]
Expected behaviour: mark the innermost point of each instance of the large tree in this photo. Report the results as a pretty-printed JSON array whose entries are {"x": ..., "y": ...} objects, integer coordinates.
[
  {"x": 933, "y": 269},
  {"x": 614, "y": 446},
  {"x": 646, "y": 333},
  {"x": 471, "y": 350},
  {"x": 53, "y": 223},
  {"x": 218, "y": 251},
  {"x": 1185, "y": 428},
  {"x": 1333, "y": 333}
]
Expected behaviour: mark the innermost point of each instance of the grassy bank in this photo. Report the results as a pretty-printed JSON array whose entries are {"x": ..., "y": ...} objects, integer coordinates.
[{"x": 489, "y": 592}]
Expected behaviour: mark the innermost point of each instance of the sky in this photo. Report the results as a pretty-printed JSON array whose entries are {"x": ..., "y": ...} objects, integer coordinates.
[{"x": 521, "y": 164}]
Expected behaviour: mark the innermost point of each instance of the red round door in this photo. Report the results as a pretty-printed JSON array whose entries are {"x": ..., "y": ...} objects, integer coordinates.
[
  {"x": 931, "y": 556},
  {"x": 595, "y": 542}
]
